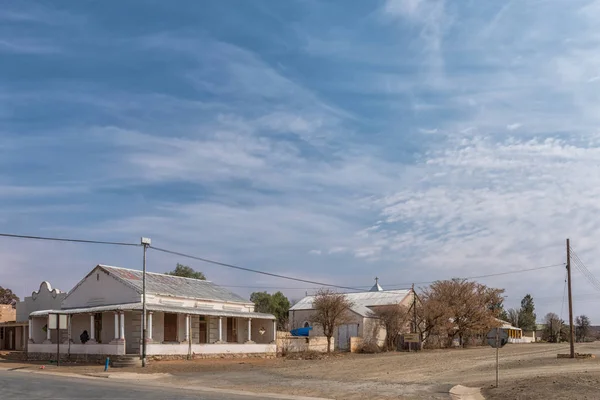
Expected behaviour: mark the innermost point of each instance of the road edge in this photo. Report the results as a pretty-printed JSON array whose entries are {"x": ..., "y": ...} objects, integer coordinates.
[{"x": 460, "y": 392}]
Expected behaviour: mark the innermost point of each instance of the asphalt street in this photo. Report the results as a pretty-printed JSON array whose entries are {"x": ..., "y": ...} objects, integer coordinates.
[{"x": 16, "y": 385}]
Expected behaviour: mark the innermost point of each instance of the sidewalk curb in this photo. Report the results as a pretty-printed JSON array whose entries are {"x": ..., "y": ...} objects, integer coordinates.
[{"x": 460, "y": 392}]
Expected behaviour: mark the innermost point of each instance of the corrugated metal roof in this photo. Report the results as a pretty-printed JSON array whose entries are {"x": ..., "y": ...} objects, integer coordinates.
[
  {"x": 169, "y": 285},
  {"x": 362, "y": 301},
  {"x": 158, "y": 308}
]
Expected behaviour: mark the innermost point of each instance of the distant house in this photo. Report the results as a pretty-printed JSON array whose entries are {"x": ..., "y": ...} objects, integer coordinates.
[
  {"x": 362, "y": 323},
  {"x": 14, "y": 326},
  {"x": 515, "y": 335},
  {"x": 185, "y": 317}
]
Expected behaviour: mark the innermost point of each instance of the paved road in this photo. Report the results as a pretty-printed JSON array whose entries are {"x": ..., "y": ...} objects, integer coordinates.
[{"x": 16, "y": 385}]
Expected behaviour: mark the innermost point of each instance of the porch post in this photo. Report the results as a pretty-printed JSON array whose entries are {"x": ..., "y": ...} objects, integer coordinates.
[
  {"x": 187, "y": 328},
  {"x": 24, "y": 340},
  {"x": 249, "y": 330},
  {"x": 116, "y": 326},
  {"x": 149, "y": 329},
  {"x": 92, "y": 329},
  {"x": 274, "y": 330},
  {"x": 220, "y": 329},
  {"x": 48, "y": 337},
  {"x": 30, "y": 330},
  {"x": 122, "y": 335}
]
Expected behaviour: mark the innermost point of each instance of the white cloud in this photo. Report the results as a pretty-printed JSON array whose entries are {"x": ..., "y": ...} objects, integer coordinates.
[
  {"x": 315, "y": 252},
  {"x": 513, "y": 127}
]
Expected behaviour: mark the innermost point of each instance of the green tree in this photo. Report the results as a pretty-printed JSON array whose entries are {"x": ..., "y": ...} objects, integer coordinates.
[
  {"x": 186, "y": 272},
  {"x": 276, "y": 304},
  {"x": 8, "y": 297},
  {"x": 527, "y": 314}
]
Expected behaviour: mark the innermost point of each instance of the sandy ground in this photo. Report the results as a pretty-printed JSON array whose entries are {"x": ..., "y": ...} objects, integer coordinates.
[{"x": 529, "y": 371}]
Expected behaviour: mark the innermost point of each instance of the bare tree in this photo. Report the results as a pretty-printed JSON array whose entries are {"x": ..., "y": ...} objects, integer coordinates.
[
  {"x": 394, "y": 319},
  {"x": 462, "y": 307},
  {"x": 432, "y": 316},
  {"x": 513, "y": 317},
  {"x": 552, "y": 332},
  {"x": 331, "y": 311},
  {"x": 582, "y": 327}
]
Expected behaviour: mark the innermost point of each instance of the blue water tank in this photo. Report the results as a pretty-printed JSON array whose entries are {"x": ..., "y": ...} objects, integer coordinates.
[{"x": 301, "y": 331}]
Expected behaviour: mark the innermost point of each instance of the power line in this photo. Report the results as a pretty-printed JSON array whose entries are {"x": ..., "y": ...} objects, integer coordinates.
[
  {"x": 250, "y": 270},
  {"x": 490, "y": 275},
  {"x": 584, "y": 270},
  {"x": 56, "y": 239}
]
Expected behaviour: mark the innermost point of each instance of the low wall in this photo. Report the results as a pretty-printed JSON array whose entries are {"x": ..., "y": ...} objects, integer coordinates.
[
  {"x": 160, "y": 349},
  {"x": 355, "y": 344},
  {"x": 93, "y": 349},
  {"x": 294, "y": 344},
  {"x": 524, "y": 339}
]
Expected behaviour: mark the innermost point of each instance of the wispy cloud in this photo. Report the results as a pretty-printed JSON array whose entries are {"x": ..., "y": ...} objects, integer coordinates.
[
  {"x": 22, "y": 46},
  {"x": 427, "y": 140}
]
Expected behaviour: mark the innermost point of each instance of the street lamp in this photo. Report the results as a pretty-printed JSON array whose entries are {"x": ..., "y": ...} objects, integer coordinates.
[{"x": 145, "y": 242}]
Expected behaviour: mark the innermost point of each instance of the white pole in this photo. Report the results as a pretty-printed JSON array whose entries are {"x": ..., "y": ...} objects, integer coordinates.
[
  {"x": 48, "y": 337},
  {"x": 187, "y": 328},
  {"x": 92, "y": 330},
  {"x": 275, "y": 330},
  {"x": 116, "y": 326},
  {"x": 122, "y": 335},
  {"x": 150, "y": 325},
  {"x": 31, "y": 330},
  {"x": 220, "y": 329},
  {"x": 249, "y": 329}
]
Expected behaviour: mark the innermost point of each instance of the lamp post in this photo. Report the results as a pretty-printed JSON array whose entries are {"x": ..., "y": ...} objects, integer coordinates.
[{"x": 145, "y": 242}]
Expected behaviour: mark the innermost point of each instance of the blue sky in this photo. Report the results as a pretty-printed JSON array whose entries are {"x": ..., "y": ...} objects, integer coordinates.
[{"x": 329, "y": 140}]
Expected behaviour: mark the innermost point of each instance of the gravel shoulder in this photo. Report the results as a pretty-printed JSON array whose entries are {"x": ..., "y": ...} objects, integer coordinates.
[{"x": 526, "y": 371}]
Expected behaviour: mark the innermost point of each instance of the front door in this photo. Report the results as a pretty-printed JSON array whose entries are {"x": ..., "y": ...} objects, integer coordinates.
[
  {"x": 97, "y": 327},
  {"x": 345, "y": 332},
  {"x": 232, "y": 330},
  {"x": 170, "y": 328},
  {"x": 203, "y": 330}
]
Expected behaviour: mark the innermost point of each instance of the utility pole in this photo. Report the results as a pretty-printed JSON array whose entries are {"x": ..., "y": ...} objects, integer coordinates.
[
  {"x": 145, "y": 242},
  {"x": 571, "y": 327},
  {"x": 414, "y": 306}
]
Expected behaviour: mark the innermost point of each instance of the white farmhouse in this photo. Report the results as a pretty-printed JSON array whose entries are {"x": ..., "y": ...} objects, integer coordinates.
[
  {"x": 185, "y": 317},
  {"x": 362, "y": 322}
]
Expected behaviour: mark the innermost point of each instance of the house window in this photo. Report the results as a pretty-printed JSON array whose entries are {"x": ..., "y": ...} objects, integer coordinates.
[
  {"x": 232, "y": 329},
  {"x": 170, "y": 327}
]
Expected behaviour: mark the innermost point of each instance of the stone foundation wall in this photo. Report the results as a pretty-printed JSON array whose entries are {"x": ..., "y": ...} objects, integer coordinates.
[
  {"x": 167, "y": 357},
  {"x": 84, "y": 358}
]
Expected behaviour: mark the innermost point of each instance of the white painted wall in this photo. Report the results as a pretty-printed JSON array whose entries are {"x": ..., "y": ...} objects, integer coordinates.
[
  {"x": 45, "y": 298},
  {"x": 99, "y": 288},
  {"x": 37, "y": 324},
  {"x": 158, "y": 327},
  {"x": 108, "y": 349},
  {"x": 267, "y": 338},
  {"x": 193, "y": 303},
  {"x": 79, "y": 323},
  {"x": 231, "y": 348},
  {"x": 108, "y": 327}
]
